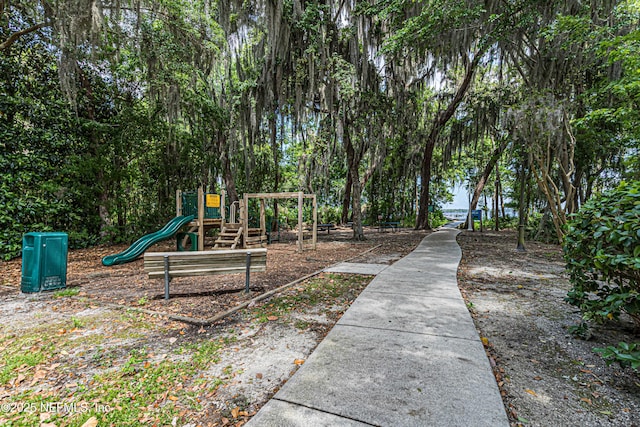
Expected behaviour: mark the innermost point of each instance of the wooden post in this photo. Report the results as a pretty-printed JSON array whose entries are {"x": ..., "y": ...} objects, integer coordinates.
[
  {"x": 300, "y": 218},
  {"x": 178, "y": 202},
  {"x": 244, "y": 215},
  {"x": 263, "y": 219},
  {"x": 223, "y": 195},
  {"x": 167, "y": 279},
  {"x": 315, "y": 222},
  {"x": 247, "y": 274},
  {"x": 200, "y": 218}
]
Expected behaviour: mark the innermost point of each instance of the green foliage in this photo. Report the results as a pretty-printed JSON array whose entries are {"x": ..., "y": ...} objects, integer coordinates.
[
  {"x": 602, "y": 251},
  {"x": 625, "y": 354},
  {"x": 328, "y": 215},
  {"x": 41, "y": 158}
]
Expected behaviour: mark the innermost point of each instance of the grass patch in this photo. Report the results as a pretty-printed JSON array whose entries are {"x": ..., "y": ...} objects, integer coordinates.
[
  {"x": 67, "y": 292},
  {"x": 13, "y": 365},
  {"x": 326, "y": 289},
  {"x": 132, "y": 389}
]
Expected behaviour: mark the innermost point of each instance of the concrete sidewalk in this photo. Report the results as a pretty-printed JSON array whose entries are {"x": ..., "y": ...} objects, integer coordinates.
[{"x": 406, "y": 353}]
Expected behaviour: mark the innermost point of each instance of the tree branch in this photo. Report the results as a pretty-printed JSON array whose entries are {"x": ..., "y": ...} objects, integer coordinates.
[{"x": 15, "y": 36}]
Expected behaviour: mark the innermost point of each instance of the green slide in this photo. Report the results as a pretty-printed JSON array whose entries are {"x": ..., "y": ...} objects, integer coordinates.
[{"x": 143, "y": 243}]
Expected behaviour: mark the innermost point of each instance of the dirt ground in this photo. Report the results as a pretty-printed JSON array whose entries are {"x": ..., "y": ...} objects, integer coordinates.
[
  {"x": 103, "y": 336},
  {"x": 203, "y": 297},
  {"x": 547, "y": 376}
]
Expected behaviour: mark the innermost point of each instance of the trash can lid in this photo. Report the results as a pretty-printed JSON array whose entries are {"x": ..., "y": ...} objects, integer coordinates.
[{"x": 46, "y": 233}]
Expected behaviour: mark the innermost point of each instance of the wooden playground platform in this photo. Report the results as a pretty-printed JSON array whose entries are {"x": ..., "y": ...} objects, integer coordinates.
[{"x": 236, "y": 231}]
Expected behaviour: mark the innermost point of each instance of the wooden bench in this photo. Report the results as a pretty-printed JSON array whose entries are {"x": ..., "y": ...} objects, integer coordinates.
[
  {"x": 204, "y": 263},
  {"x": 393, "y": 225}
]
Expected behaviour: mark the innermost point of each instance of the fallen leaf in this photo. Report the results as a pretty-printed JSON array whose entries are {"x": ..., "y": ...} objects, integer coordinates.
[
  {"x": 172, "y": 398},
  {"x": 484, "y": 340},
  {"x": 299, "y": 362},
  {"x": 586, "y": 400},
  {"x": 259, "y": 376},
  {"x": 235, "y": 412},
  {"x": 272, "y": 318},
  {"x": 18, "y": 380},
  {"x": 531, "y": 392},
  {"x": 537, "y": 378},
  {"x": 91, "y": 422}
]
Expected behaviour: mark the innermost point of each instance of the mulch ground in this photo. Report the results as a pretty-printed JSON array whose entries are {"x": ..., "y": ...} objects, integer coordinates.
[{"x": 206, "y": 296}]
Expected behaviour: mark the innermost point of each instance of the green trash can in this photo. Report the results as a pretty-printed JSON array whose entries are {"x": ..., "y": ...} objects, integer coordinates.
[{"x": 44, "y": 261}]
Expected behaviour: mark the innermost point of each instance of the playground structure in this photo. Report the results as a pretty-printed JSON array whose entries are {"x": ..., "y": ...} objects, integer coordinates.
[
  {"x": 237, "y": 229},
  {"x": 202, "y": 212},
  {"x": 300, "y": 196},
  {"x": 143, "y": 243}
]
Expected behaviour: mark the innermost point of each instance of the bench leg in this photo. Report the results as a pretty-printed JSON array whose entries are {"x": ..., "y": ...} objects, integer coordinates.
[
  {"x": 248, "y": 274},
  {"x": 167, "y": 279}
]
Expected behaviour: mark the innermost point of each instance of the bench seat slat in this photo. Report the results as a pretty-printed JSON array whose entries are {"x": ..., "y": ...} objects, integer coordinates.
[
  {"x": 206, "y": 254},
  {"x": 153, "y": 265},
  {"x": 203, "y": 272},
  {"x": 211, "y": 260},
  {"x": 173, "y": 267},
  {"x": 205, "y": 262}
]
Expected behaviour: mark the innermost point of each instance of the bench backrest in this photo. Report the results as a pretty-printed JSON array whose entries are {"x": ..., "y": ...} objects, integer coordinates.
[{"x": 204, "y": 263}]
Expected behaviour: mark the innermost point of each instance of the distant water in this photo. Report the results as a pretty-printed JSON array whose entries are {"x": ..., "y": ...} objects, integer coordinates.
[
  {"x": 454, "y": 214},
  {"x": 461, "y": 214}
]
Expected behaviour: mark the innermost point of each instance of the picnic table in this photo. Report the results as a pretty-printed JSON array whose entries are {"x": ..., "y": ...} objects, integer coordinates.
[
  {"x": 393, "y": 225},
  {"x": 327, "y": 227}
]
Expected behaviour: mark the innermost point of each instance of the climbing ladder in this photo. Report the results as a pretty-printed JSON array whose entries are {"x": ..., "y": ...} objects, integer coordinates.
[{"x": 230, "y": 236}]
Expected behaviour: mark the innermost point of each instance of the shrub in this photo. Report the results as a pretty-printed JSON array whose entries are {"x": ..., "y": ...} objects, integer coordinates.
[
  {"x": 625, "y": 354},
  {"x": 602, "y": 252}
]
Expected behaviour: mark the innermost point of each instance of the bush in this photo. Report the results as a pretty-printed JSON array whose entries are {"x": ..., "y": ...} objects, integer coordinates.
[
  {"x": 602, "y": 252},
  {"x": 625, "y": 354}
]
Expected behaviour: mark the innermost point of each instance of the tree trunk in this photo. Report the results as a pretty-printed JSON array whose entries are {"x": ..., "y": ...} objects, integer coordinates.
[
  {"x": 522, "y": 209},
  {"x": 422, "y": 222},
  {"x": 497, "y": 200},
  {"x": 275, "y": 147},
  {"x": 353, "y": 161},
  {"x": 356, "y": 207},
  {"x": 227, "y": 173},
  {"x": 493, "y": 161},
  {"x": 346, "y": 200}
]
